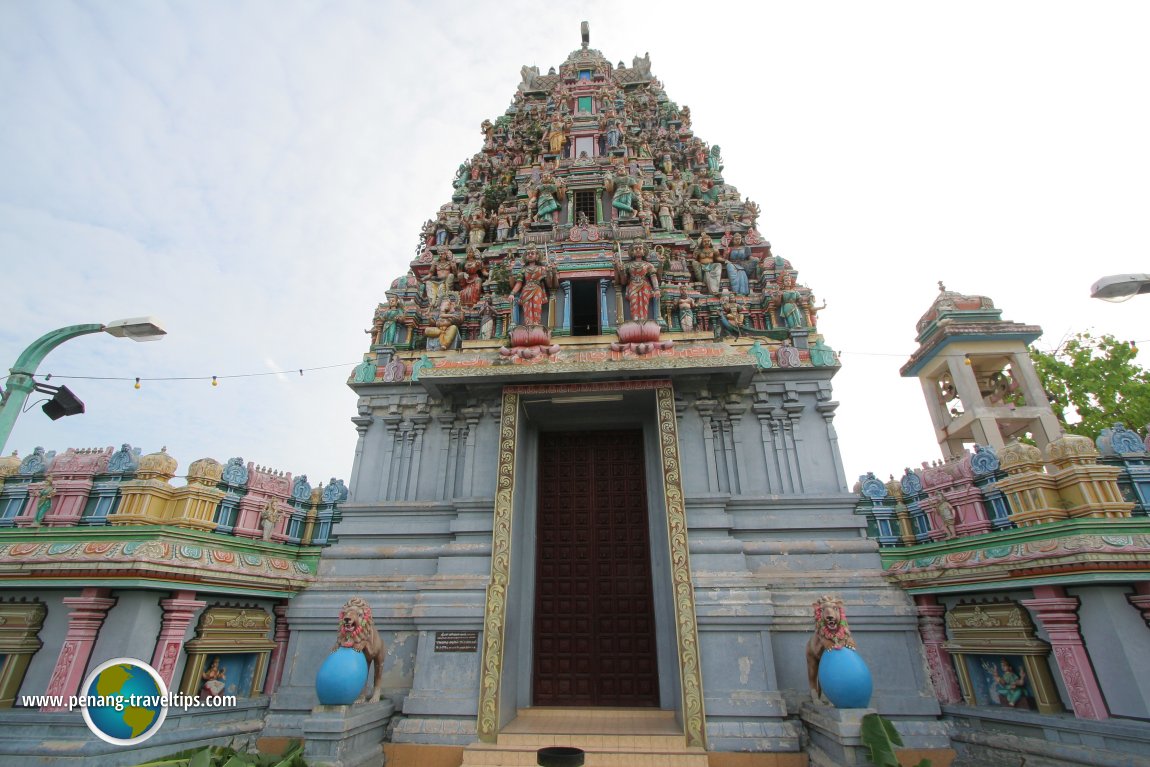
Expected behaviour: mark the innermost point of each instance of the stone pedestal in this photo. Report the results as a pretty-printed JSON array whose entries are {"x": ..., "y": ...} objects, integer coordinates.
[
  {"x": 346, "y": 736},
  {"x": 835, "y": 735}
]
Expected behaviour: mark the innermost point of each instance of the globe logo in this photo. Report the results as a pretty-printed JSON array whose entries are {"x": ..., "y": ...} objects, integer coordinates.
[{"x": 124, "y": 701}]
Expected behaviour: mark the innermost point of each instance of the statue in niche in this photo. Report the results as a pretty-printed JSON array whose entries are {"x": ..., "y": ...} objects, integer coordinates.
[
  {"x": 477, "y": 227},
  {"x": 709, "y": 265},
  {"x": 44, "y": 502},
  {"x": 641, "y": 280},
  {"x": 214, "y": 680},
  {"x": 715, "y": 163},
  {"x": 440, "y": 278},
  {"x": 556, "y": 136},
  {"x": 623, "y": 188},
  {"x": 738, "y": 261},
  {"x": 546, "y": 197},
  {"x": 945, "y": 515},
  {"x": 686, "y": 311},
  {"x": 666, "y": 216},
  {"x": 1009, "y": 686},
  {"x": 486, "y": 319},
  {"x": 612, "y": 130},
  {"x": 530, "y": 288},
  {"x": 471, "y": 274},
  {"x": 732, "y": 311},
  {"x": 269, "y": 518},
  {"x": 443, "y": 332}
]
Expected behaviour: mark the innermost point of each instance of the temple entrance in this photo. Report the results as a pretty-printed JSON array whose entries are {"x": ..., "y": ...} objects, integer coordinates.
[{"x": 594, "y": 633}]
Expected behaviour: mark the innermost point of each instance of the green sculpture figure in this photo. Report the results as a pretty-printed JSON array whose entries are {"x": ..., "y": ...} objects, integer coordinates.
[
  {"x": 623, "y": 187},
  {"x": 47, "y": 490},
  {"x": 788, "y": 301},
  {"x": 1007, "y": 685},
  {"x": 546, "y": 196}
]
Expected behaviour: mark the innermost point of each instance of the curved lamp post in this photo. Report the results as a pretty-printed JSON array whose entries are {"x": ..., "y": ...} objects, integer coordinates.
[
  {"x": 20, "y": 380},
  {"x": 1120, "y": 287}
]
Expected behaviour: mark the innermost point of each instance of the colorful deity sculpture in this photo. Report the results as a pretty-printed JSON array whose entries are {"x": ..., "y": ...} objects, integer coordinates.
[
  {"x": 530, "y": 288},
  {"x": 623, "y": 187},
  {"x": 547, "y": 196},
  {"x": 440, "y": 277},
  {"x": 709, "y": 264},
  {"x": 470, "y": 278},
  {"x": 641, "y": 280}
]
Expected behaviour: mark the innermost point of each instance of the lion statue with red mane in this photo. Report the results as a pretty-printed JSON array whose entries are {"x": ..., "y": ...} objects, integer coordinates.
[
  {"x": 831, "y": 633},
  {"x": 357, "y": 631}
]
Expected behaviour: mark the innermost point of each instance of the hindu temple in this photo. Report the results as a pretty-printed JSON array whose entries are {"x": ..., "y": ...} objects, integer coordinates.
[{"x": 597, "y": 470}]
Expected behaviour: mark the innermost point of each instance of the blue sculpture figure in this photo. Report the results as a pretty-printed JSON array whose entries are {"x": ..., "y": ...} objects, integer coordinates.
[{"x": 738, "y": 258}]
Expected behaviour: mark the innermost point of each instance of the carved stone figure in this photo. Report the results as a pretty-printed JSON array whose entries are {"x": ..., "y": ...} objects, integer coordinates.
[
  {"x": 269, "y": 518},
  {"x": 831, "y": 633},
  {"x": 623, "y": 187},
  {"x": 357, "y": 630},
  {"x": 445, "y": 328},
  {"x": 709, "y": 265},
  {"x": 738, "y": 261}
]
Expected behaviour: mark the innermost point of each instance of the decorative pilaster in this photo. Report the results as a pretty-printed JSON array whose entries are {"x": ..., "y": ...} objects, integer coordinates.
[
  {"x": 178, "y": 614},
  {"x": 932, "y": 629},
  {"x": 1058, "y": 615},
  {"x": 1141, "y": 600},
  {"x": 84, "y": 622},
  {"x": 565, "y": 285},
  {"x": 606, "y": 317},
  {"x": 279, "y": 654}
]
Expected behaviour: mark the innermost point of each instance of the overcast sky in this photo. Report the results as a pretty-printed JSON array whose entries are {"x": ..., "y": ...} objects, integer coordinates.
[{"x": 256, "y": 173}]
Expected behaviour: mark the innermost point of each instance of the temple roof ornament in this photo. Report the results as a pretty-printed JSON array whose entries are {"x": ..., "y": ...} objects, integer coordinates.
[{"x": 591, "y": 161}]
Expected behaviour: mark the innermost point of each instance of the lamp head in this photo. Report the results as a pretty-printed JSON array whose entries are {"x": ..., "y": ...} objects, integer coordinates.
[
  {"x": 136, "y": 328},
  {"x": 1120, "y": 287}
]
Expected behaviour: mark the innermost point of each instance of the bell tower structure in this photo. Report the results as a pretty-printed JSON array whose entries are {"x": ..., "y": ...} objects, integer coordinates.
[{"x": 977, "y": 377}]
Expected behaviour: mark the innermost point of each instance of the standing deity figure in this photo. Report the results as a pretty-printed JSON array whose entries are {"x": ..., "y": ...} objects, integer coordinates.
[
  {"x": 945, "y": 515},
  {"x": 612, "y": 130},
  {"x": 715, "y": 163},
  {"x": 788, "y": 301},
  {"x": 546, "y": 197},
  {"x": 556, "y": 136},
  {"x": 269, "y": 517},
  {"x": 486, "y": 319},
  {"x": 440, "y": 277},
  {"x": 385, "y": 323},
  {"x": 530, "y": 288},
  {"x": 709, "y": 264},
  {"x": 471, "y": 274},
  {"x": 738, "y": 261},
  {"x": 44, "y": 503},
  {"x": 666, "y": 216},
  {"x": 477, "y": 227},
  {"x": 623, "y": 188},
  {"x": 641, "y": 279},
  {"x": 686, "y": 311}
]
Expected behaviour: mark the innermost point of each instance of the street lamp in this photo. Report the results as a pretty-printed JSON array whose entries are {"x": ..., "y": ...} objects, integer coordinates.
[
  {"x": 1120, "y": 287},
  {"x": 21, "y": 382}
]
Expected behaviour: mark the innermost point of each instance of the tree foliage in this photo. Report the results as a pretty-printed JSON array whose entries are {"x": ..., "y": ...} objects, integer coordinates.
[{"x": 1097, "y": 381}]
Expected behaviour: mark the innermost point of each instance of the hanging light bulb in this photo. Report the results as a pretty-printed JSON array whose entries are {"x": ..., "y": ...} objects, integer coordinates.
[
  {"x": 137, "y": 382},
  {"x": 215, "y": 382}
]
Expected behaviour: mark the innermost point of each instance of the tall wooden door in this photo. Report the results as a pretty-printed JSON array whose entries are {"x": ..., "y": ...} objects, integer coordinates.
[{"x": 594, "y": 615}]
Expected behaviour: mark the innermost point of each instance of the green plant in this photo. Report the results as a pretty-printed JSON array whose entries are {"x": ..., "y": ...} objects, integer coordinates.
[
  {"x": 223, "y": 756},
  {"x": 880, "y": 737}
]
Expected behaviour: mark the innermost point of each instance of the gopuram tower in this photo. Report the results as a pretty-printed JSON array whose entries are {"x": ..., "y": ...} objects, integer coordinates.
[{"x": 597, "y": 467}]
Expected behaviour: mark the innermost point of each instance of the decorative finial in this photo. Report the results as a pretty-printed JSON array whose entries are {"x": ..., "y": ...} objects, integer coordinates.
[
  {"x": 585, "y": 30},
  {"x": 941, "y": 287}
]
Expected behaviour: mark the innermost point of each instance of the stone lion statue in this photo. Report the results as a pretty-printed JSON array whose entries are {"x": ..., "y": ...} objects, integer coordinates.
[
  {"x": 831, "y": 633},
  {"x": 357, "y": 631}
]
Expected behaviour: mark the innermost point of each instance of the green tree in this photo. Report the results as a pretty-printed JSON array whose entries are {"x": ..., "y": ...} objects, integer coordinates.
[{"x": 1095, "y": 379}]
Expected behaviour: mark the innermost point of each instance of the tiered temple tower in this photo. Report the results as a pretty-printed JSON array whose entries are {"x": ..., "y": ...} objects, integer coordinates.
[{"x": 597, "y": 465}]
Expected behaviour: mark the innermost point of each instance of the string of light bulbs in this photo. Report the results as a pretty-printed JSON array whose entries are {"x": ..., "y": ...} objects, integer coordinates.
[{"x": 137, "y": 381}]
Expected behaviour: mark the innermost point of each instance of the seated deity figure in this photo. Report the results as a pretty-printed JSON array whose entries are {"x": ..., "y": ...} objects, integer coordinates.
[{"x": 440, "y": 277}]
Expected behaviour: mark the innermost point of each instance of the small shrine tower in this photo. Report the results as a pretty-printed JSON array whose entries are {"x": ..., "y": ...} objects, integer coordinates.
[{"x": 977, "y": 377}]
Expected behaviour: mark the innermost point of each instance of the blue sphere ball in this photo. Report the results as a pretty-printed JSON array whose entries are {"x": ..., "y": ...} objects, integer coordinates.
[
  {"x": 341, "y": 678},
  {"x": 845, "y": 678}
]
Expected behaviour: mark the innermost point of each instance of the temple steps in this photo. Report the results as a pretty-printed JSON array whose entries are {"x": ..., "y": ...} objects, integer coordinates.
[{"x": 618, "y": 737}]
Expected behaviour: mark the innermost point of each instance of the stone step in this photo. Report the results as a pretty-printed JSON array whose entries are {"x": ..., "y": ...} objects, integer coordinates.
[
  {"x": 653, "y": 742},
  {"x": 499, "y": 755}
]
